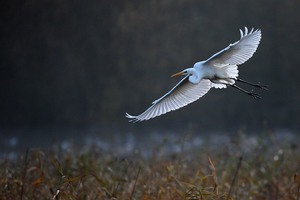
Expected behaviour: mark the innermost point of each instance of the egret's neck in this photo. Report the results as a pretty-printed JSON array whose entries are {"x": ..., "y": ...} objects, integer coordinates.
[{"x": 194, "y": 76}]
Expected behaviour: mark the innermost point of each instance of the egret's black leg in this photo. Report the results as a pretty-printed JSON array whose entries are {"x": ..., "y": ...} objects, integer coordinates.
[
  {"x": 251, "y": 93},
  {"x": 263, "y": 87}
]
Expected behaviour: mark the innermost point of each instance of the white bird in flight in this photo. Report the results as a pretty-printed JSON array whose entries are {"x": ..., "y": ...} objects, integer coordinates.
[{"x": 218, "y": 71}]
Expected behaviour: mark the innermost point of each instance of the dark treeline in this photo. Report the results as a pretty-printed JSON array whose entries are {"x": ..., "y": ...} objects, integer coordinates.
[{"x": 77, "y": 63}]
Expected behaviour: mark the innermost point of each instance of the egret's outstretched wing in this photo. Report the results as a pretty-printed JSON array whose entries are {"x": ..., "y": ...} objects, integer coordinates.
[
  {"x": 181, "y": 95},
  {"x": 238, "y": 52}
]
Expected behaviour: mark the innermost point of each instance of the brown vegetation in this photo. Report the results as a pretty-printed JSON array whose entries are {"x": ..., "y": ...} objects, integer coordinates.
[{"x": 267, "y": 171}]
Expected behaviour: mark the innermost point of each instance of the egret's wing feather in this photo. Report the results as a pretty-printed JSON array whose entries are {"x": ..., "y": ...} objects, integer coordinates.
[
  {"x": 238, "y": 52},
  {"x": 181, "y": 95}
]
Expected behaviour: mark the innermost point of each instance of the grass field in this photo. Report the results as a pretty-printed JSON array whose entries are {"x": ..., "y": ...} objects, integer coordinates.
[{"x": 246, "y": 167}]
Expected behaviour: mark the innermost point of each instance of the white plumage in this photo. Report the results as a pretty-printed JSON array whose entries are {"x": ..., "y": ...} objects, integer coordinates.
[{"x": 218, "y": 71}]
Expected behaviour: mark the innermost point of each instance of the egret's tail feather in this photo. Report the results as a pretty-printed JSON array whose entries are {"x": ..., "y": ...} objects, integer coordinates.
[
  {"x": 230, "y": 74},
  {"x": 231, "y": 71},
  {"x": 218, "y": 85}
]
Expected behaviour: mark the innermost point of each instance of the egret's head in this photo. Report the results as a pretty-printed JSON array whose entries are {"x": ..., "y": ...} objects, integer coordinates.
[{"x": 183, "y": 73}]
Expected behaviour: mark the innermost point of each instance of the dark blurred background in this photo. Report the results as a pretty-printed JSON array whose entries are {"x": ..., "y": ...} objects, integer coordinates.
[{"x": 86, "y": 63}]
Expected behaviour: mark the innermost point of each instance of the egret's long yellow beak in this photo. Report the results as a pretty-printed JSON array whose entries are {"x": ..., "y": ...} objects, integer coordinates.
[{"x": 177, "y": 74}]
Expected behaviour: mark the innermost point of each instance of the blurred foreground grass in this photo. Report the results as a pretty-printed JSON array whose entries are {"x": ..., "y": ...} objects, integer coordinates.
[{"x": 245, "y": 168}]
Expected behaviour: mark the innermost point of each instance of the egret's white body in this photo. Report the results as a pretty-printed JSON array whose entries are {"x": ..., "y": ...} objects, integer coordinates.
[{"x": 218, "y": 71}]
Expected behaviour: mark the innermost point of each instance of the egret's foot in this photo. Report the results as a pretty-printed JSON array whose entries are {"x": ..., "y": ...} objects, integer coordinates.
[
  {"x": 258, "y": 85},
  {"x": 253, "y": 94},
  {"x": 263, "y": 87}
]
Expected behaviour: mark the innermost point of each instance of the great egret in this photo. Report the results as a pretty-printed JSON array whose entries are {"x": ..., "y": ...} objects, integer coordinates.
[{"x": 218, "y": 71}]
